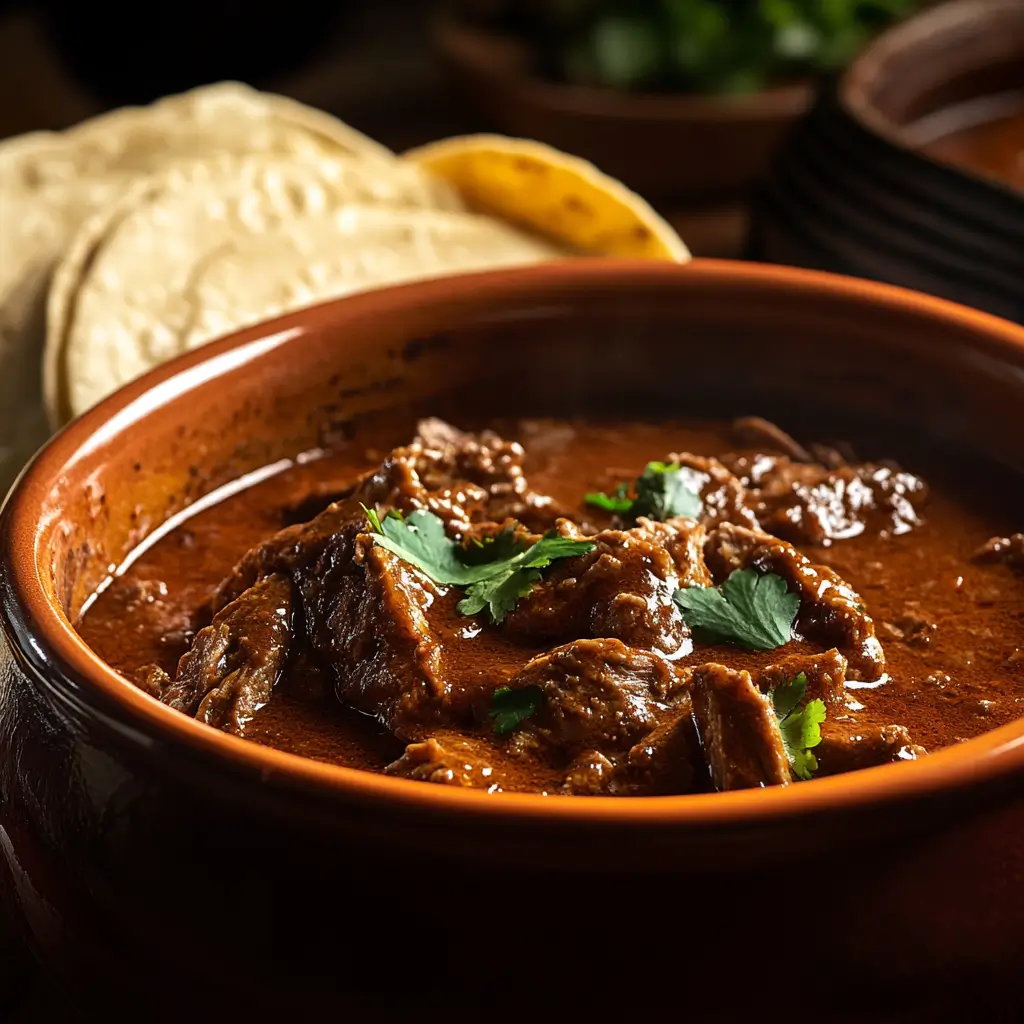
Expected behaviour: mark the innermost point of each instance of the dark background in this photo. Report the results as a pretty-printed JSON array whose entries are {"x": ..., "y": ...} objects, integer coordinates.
[{"x": 370, "y": 63}]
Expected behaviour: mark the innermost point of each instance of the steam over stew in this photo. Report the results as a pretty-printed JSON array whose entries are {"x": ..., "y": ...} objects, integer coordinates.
[{"x": 621, "y": 609}]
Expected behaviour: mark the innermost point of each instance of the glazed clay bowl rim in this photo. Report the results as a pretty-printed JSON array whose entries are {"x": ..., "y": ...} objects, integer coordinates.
[
  {"x": 55, "y": 651},
  {"x": 463, "y": 44}
]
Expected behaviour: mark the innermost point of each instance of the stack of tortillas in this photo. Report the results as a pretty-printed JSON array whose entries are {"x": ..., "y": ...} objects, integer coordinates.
[{"x": 149, "y": 231}]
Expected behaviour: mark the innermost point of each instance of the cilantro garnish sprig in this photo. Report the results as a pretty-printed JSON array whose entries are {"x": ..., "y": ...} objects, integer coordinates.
[
  {"x": 514, "y": 577},
  {"x": 511, "y": 707},
  {"x": 660, "y": 492},
  {"x": 495, "y": 572},
  {"x": 750, "y": 609},
  {"x": 800, "y": 729}
]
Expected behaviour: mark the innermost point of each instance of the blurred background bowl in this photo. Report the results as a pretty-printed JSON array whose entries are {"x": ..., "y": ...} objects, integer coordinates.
[
  {"x": 668, "y": 147},
  {"x": 864, "y": 186}
]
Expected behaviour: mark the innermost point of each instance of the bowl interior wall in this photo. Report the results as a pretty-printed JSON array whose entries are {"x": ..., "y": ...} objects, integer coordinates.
[
  {"x": 944, "y": 58},
  {"x": 825, "y": 364}
]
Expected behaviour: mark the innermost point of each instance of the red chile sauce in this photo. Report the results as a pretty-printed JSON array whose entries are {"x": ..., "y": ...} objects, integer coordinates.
[{"x": 952, "y": 627}]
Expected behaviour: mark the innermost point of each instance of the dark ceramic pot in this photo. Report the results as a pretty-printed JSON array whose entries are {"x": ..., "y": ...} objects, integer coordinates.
[
  {"x": 169, "y": 870},
  {"x": 851, "y": 192}
]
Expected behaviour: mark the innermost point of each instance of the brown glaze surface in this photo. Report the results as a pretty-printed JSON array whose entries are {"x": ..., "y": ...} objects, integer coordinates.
[
  {"x": 994, "y": 149},
  {"x": 141, "y": 847},
  {"x": 951, "y": 627}
]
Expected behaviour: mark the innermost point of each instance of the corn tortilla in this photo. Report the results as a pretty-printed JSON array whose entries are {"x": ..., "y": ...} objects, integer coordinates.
[{"x": 562, "y": 197}]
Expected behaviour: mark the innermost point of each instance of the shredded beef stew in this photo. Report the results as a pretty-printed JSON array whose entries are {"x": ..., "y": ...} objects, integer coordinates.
[{"x": 626, "y": 610}]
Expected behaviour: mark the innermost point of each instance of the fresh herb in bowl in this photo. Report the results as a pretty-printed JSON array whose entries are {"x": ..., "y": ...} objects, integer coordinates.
[{"x": 711, "y": 46}]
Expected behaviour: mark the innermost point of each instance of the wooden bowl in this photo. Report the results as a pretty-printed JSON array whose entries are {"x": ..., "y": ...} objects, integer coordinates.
[
  {"x": 667, "y": 148},
  {"x": 165, "y": 868},
  {"x": 853, "y": 193}
]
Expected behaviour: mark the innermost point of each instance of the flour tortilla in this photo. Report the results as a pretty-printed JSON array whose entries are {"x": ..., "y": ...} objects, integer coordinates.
[
  {"x": 559, "y": 196},
  {"x": 170, "y": 274},
  {"x": 52, "y": 182}
]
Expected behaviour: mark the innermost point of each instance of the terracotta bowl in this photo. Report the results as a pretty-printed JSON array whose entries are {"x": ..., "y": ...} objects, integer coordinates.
[
  {"x": 153, "y": 858},
  {"x": 667, "y": 148},
  {"x": 852, "y": 192}
]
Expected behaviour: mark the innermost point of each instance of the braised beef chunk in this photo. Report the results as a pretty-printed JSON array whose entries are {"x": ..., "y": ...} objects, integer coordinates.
[
  {"x": 572, "y": 672},
  {"x": 622, "y": 589},
  {"x": 758, "y": 433},
  {"x": 450, "y": 759},
  {"x": 363, "y": 616},
  {"x": 591, "y": 774},
  {"x": 1008, "y": 550},
  {"x": 738, "y": 730},
  {"x": 684, "y": 541},
  {"x": 808, "y": 503},
  {"x": 287, "y": 552},
  {"x": 365, "y": 613},
  {"x": 825, "y": 675},
  {"x": 845, "y": 747},
  {"x": 663, "y": 761},
  {"x": 152, "y": 679},
  {"x": 596, "y": 694},
  {"x": 831, "y": 612},
  {"x": 463, "y": 478},
  {"x": 229, "y": 673},
  {"x": 816, "y": 495}
]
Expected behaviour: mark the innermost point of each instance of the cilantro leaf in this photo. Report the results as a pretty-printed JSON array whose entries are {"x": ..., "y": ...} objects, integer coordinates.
[
  {"x": 371, "y": 514},
  {"x": 519, "y": 575},
  {"x": 800, "y": 729},
  {"x": 499, "y": 594},
  {"x": 786, "y": 696},
  {"x": 662, "y": 491},
  {"x": 551, "y": 546},
  {"x": 420, "y": 540},
  {"x": 496, "y": 572},
  {"x": 618, "y": 502},
  {"x": 510, "y": 707},
  {"x": 501, "y": 546},
  {"x": 750, "y": 609}
]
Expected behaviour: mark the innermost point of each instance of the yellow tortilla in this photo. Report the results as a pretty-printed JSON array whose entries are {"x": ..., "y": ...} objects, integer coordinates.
[{"x": 561, "y": 197}]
